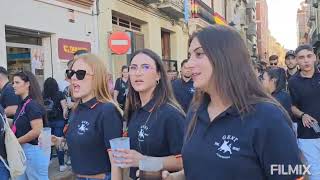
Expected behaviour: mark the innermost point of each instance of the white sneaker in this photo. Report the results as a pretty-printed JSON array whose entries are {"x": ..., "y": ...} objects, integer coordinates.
[{"x": 63, "y": 168}]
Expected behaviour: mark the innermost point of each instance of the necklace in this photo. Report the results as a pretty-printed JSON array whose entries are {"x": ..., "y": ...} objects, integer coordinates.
[{"x": 141, "y": 132}]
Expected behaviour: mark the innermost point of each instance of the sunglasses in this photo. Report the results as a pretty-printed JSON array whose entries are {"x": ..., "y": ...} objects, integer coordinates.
[
  {"x": 273, "y": 64},
  {"x": 80, "y": 74}
]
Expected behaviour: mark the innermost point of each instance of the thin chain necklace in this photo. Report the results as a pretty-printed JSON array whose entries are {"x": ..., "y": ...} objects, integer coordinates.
[{"x": 151, "y": 111}]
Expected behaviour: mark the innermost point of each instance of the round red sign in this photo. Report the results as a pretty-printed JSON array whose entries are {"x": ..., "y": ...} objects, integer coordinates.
[{"x": 119, "y": 42}]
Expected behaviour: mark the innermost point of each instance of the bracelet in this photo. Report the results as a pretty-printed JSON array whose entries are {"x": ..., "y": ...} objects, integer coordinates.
[{"x": 302, "y": 115}]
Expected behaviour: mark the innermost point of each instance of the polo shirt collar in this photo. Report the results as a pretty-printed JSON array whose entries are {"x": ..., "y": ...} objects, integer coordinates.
[
  {"x": 150, "y": 105},
  {"x": 89, "y": 104},
  {"x": 203, "y": 111},
  {"x": 316, "y": 71}
]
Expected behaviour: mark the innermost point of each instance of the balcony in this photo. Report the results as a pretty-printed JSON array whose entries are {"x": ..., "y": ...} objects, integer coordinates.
[
  {"x": 252, "y": 29},
  {"x": 173, "y": 8},
  {"x": 149, "y": 1}
]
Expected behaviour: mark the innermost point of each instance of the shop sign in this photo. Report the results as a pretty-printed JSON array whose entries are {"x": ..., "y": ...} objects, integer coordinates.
[{"x": 67, "y": 47}]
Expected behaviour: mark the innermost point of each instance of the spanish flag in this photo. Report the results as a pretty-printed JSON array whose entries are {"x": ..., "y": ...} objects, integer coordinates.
[{"x": 219, "y": 19}]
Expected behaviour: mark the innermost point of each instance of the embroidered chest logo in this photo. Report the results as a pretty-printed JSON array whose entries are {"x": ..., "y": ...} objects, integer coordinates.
[
  {"x": 226, "y": 146},
  {"x": 83, "y": 127},
  {"x": 142, "y": 133},
  {"x": 192, "y": 90}
]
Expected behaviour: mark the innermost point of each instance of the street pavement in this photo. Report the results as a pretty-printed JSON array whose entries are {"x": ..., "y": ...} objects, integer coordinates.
[{"x": 55, "y": 174}]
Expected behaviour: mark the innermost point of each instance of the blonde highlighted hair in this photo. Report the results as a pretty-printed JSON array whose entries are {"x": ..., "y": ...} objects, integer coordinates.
[{"x": 100, "y": 78}]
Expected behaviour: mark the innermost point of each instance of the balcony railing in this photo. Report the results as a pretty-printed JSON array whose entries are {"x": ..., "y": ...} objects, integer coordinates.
[{"x": 173, "y": 8}]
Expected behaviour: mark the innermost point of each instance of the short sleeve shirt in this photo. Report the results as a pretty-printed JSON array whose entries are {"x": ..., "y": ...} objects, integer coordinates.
[
  {"x": 305, "y": 95},
  {"x": 93, "y": 125},
  {"x": 8, "y": 97},
  {"x": 234, "y": 148},
  {"x": 156, "y": 132},
  {"x": 33, "y": 110},
  {"x": 122, "y": 88}
]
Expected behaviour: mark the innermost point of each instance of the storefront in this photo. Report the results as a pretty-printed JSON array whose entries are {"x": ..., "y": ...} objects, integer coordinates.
[{"x": 44, "y": 36}]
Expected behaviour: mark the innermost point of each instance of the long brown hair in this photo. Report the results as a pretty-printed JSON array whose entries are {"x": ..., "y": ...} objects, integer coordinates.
[
  {"x": 233, "y": 77},
  {"x": 163, "y": 92}
]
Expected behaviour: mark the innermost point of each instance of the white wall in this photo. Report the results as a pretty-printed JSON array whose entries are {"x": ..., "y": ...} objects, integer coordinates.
[{"x": 36, "y": 15}]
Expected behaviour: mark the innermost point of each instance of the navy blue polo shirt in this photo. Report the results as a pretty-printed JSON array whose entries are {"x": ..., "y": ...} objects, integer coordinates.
[
  {"x": 231, "y": 148},
  {"x": 305, "y": 95},
  {"x": 93, "y": 125},
  {"x": 33, "y": 110},
  {"x": 8, "y": 97},
  {"x": 2, "y": 135},
  {"x": 159, "y": 135},
  {"x": 183, "y": 92},
  {"x": 284, "y": 99},
  {"x": 122, "y": 88}
]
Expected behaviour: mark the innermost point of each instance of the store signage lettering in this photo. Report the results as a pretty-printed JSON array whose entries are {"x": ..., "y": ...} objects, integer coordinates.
[{"x": 67, "y": 47}]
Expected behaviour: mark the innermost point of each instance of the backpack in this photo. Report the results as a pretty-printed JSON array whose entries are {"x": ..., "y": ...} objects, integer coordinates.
[
  {"x": 15, "y": 155},
  {"x": 50, "y": 108}
]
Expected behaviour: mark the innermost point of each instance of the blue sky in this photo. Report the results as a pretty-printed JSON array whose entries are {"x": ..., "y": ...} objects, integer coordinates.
[{"x": 283, "y": 21}]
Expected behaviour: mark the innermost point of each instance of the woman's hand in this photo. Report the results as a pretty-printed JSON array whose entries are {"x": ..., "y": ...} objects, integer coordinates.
[{"x": 130, "y": 157}]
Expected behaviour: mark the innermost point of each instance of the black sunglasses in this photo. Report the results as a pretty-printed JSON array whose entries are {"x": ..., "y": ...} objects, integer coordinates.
[
  {"x": 80, "y": 74},
  {"x": 273, "y": 64}
]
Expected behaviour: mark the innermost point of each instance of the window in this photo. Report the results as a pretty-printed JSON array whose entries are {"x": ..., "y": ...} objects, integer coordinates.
[
  {"x": 126, "y": 24},
  {"x": 165, "y": 45}
]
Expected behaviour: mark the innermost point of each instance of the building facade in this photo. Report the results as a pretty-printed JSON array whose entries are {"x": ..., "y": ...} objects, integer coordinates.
[
  {"x": 314, "y": 25},
  {"x": 242, "y": 16},
  {"x": 154, "y": 24},
  {"x": 303, "y": 14},
  {"x": 262, "y": 29},
  {"x": 41, "y": 35}
]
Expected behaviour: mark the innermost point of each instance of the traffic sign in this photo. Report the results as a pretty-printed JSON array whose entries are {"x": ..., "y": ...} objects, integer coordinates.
[{"x": 119, "y": 42}]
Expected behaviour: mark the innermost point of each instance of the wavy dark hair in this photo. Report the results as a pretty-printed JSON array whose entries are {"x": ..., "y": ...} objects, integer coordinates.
[
  {"x": 163, "y": 92},
  {"x": 50, "y": 88},
  {"x": 233, "y": 74},
  {"x": 279, "y": 76},
  {"x": 34, "y": 88}
]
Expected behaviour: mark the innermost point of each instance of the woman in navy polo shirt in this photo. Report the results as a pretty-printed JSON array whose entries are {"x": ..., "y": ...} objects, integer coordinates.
[
  {"x": 96, "y": 119},
  {"x": 121, "y": 87},
  {"x": 236, "y": 131},
  {"x": 273, "y": 83},
  {"x": 28, "y": 122},
  {"x": 155, "y": 119}
]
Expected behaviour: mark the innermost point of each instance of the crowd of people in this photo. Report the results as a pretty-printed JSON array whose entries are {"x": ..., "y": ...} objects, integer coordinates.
[{"x": 226, "y": 117}]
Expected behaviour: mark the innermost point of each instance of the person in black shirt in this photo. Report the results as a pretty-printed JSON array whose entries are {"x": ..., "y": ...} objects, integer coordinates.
[
  {"x": 304, "y": 89},
  {"x": 121, "y": 87},
  {"x": 4, "y": 173},
  {"x": 272, "y": 83},
  {"x": 183, "y": 88},
  {"x": 155, "y": 120},
  {"x": 28, "y": 123},
  {"x": 8, "y": 99},
  {"x": 96, "y": 119},
  {"x": 236, "y": 130},
  {"x": 57, "y": 112},
  {"x": 292, "y": 64}
]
